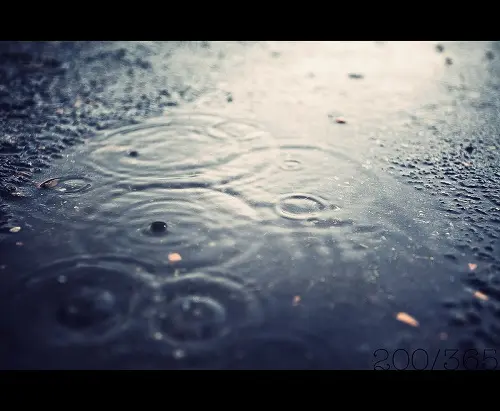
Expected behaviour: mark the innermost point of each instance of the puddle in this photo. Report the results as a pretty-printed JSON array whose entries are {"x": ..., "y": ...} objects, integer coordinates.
[
  {"x": 193, "y": 195},
  {"x": 205, "y": 213}
]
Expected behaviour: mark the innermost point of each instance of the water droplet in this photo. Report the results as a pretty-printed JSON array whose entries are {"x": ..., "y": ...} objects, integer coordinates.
[
  {"x": 158, "y": 227},
  {"x": 197, "y": 219}
]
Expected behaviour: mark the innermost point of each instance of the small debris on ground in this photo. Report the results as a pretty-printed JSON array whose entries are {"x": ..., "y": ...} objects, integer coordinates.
[
  {"x": 481, "y": 296},
  {"x": 469, "y": 148},
  {"x": 472, "y": 266},
  {"x": 19, "y": 243},
  {"x": 133, "y": 153},
  {"x": 174, "y": 257},
  {"x": 296, "y": 300},
  {"x": 439, "y": 48},
  {"x": 15, "y": 229},
  {"x": 356, "y": 76},
  {"x": 448, "y": 61},
  {"x": 340, "y": 120},
  {"x": 229, "y": 98},
  {"x": 60, "y": 111},
  {"x": 490, "y": 55},
  {"x": 407, "y": 319}
]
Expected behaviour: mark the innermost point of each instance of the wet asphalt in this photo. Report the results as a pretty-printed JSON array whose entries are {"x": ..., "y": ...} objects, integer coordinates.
[{"x": 340, "y": 212}]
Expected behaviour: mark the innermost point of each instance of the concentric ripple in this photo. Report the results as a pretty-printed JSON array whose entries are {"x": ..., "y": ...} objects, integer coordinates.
[
  {"x": 301, "y": 206},
  {"x": 194, "y": 148},
  {"x": 311, "y": 182},
  {"x": 320, "y": 200},
  {"x": 205, "y": 227},
  {"x": 196, "y": 310},
  {"x": 56, "y": 198},
  {"x": 85, "y": 301}
]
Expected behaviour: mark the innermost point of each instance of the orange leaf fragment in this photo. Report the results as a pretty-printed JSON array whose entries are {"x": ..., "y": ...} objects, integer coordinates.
[
  {"x": 407, "y": 319},
  {"x": 174, "y": 257},
  {"x": 481, "y": 296},
  {"x": 472, "y": 266}
]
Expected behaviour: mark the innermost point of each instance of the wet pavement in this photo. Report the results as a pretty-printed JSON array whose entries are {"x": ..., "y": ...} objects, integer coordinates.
[{"x": 310, "y": 205}]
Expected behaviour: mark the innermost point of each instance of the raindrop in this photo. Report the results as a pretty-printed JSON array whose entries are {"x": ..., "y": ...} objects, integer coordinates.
[
  {"x": 206, "y": 227},
  {"x": 158, "y": 227}
]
